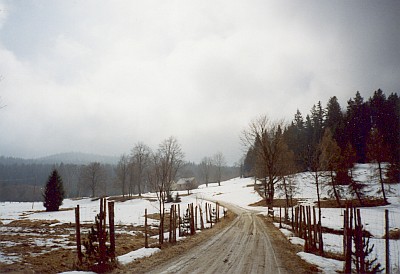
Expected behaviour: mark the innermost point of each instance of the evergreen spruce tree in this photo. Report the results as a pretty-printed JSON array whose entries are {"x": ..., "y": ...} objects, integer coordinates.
[{"x": 54, "y": 192}]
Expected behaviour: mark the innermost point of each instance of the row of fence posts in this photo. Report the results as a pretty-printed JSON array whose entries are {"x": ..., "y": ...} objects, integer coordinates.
[
  {"x": 101, "y": 230},
  {"x": 186, "y": 224},
  {"x": 176, "y": 221},
  {"x": 352, "y": 216},
  {"x": 304, "y": 225}
]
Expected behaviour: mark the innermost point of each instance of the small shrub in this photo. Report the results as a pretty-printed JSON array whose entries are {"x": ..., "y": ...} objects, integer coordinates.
[
  {"x": 177, "y": 198},
  {"x": 93, "y": 259}
]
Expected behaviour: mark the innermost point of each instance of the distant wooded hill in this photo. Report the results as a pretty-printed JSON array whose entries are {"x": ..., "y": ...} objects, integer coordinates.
[
  {"x": 78, "y": 158},
  {"x": 24, "y": 179}
]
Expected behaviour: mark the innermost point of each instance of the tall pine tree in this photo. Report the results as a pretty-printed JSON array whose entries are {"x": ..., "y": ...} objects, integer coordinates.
[{"x": 54, "y": 192}]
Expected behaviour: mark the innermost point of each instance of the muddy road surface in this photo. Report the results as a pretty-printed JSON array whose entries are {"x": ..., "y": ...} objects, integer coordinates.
[{"x": 242, "y": 247}]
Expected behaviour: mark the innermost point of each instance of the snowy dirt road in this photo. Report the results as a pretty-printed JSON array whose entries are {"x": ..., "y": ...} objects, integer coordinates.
[{"x": 243, "y": 247}]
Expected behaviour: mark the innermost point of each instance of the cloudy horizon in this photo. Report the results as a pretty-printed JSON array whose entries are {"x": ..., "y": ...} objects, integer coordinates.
[{"x": 100, "y": 76}]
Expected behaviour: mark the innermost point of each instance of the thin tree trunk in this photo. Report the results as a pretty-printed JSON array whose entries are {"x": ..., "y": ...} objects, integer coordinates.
[
  {"x": 334, "y": 189},
  {"x": 381, "y": 181}
]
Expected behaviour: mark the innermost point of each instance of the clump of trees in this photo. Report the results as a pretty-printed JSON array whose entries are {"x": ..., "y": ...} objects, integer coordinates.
[
  {"x": 272, "y": 158},
  {"x": 327, "y": 143},
  {"x": 54, "y": 192}
]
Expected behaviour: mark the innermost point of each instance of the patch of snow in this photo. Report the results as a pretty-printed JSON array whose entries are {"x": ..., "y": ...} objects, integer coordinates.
[
  {"x": 297, "y": 241},
  {"x": 9, "y": 258},
  {"x": 326, "y": 265},
  {"x": 137, "y": 254},
  {"x": 286, "y": 232}
]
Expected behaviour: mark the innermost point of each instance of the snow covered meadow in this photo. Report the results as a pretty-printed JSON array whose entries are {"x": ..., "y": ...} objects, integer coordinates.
[
  {"x": 238, "y": 192},
  {"x": 127, "y": 214}
]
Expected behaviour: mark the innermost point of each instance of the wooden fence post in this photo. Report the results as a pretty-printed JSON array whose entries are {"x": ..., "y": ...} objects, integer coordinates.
[
  {"x": 191, "y": 210},
  {"x": 112, "y": 228},
  {"x": 211, "y": 220},
  {"x": 174, "y": 223},
  {"x": 387, "y": 262},
  {"x": 217, "y": 211},
  {"x": 78, "y": 234},
  {"x": 292, "y": 220},
  {"x": 360, "y": 243},
  {"x": 146, "y": 243},
  {"x": 105, "y": 212},
  {"x": 195, "y": 218},
  {"x": 101, "y": 231},
  {"x": 310, "y": 236},
  {"x": 170, "y": 224},
  {"x": 301, "y": 222},
  {"x": 315, "y": 228},
  {"x": 347, "y": 227},
  {"x": 179, "y": 220},
  {"x": 304, "y": 225},
  {"x": 162, "y": 226},
  {"x": 201, "y": 219}
]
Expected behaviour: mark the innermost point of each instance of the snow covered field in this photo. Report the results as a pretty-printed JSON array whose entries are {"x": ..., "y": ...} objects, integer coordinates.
[{"x": 238, "y": 192}]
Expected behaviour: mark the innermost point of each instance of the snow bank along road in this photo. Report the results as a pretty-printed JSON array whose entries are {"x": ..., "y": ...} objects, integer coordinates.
[{"x": 243, "y": 247}]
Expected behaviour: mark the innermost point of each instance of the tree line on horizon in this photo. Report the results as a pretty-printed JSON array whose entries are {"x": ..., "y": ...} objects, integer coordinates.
[
  {"x": 23, "y": 180},
  {"x": 328, "y": 139}
]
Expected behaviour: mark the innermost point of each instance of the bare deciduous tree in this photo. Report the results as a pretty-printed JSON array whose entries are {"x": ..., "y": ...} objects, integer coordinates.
[
  {"x": 205, "y": 169},
  {"x": 265, "y": 138},
  {"x": 164, "y": 167},
  {"x": 170, "y": 160},
  {"x": 122, "y": 172},
  {"x": 287, "y": 183},
  {"x": 140, "y": 159},
  {"x": 219, "y": 162},
  {"x": 94, "y": 175},
  {"x": 70, "y": 174}
]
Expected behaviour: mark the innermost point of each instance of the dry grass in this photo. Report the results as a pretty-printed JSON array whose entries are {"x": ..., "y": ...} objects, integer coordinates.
[
  {"x": 170, "y": 251},
  {"x": 394, "y": 234},
  {"x": 287, "y": 252},
  {"x": 276, "y": 203},
  {"x": 327, "y": 203},
  {"x": 127, "y": 198},
  {"x": 53, "y": 258},
  {"x": 368, "y": 202},
  {"x": 59, "y": 252}
]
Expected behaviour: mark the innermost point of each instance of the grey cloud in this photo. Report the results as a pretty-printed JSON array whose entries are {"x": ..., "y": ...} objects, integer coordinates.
[{"x": 100, "y": 76}]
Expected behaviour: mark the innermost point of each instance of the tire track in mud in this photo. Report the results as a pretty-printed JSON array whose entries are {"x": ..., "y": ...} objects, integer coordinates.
[{"x": 243, "y": 247}]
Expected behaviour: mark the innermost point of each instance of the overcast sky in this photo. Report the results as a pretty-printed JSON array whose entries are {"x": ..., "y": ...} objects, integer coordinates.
[{"x": 100, "y": 76}]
